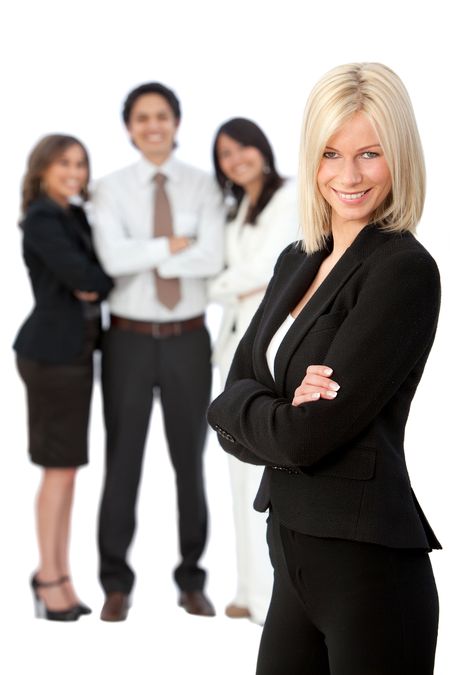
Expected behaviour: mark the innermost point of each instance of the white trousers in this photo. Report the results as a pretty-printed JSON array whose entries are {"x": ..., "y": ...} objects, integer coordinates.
[{"x": 254, "y": 570}]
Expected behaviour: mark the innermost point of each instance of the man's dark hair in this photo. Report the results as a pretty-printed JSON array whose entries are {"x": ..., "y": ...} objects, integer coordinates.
[{"x": 151, "y": 88}]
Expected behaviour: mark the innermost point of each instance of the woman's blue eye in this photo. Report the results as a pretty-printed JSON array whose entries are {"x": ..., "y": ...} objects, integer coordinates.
[
  {"x": 369, "y": 155},
  {"x": 329, "y": 154}
]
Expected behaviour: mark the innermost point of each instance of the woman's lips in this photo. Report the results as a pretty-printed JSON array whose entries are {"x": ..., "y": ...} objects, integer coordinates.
[{"x": 352, "y": 198}]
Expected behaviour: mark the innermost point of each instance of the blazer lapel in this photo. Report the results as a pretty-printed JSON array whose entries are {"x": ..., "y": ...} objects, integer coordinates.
[
  {"x": 295, "y": 278},
  {"x": 365, "y": 243},
  {"x": 77, "y": 222},
  {"x": 316, "y": 306}
]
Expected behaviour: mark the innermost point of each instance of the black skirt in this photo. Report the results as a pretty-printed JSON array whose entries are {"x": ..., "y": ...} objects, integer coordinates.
[{"x": 59, "y": 401}]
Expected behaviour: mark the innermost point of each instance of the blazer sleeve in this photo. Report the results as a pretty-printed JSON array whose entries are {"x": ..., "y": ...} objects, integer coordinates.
[
  {"x": 242, "y": 367},
  {"x": 387, "y": 333},
  {"x": 46, "y": 237}
]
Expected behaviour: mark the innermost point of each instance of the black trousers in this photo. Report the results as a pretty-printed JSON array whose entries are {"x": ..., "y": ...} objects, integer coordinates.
[
  {"x": 133, "y": 366},
  {"x": 347, "y": 608}
]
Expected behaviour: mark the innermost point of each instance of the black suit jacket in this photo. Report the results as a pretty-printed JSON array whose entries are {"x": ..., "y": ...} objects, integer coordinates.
[
  {"x": 341, "y": 464},
  {"x": 58, "y": 252}
]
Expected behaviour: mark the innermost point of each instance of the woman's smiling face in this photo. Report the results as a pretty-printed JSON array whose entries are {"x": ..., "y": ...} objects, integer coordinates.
[{"x": 353, "y": 175}]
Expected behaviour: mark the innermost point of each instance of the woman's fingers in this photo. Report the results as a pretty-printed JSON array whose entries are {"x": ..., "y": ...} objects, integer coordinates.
[
  {"x": 319, "y": 370},
  {"x": 315, "y": 389},
  {"x": 315, "y": 385},
  {"x": 86, "y": 296},
  {"x": 320, "y": 381},
  {"x": 305, "y": 393},
  {"x": 305, "y": 398}
]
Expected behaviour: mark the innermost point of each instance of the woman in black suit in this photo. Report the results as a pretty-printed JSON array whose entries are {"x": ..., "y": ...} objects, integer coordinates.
[
  {"x": 54, "y": 349},
  {"x": 355, "y": 307}
]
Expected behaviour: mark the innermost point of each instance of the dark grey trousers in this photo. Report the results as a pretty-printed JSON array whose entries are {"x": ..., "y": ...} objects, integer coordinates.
[
  {"x": 133, "y": 366},
  {"x": 342, "y": 607}
]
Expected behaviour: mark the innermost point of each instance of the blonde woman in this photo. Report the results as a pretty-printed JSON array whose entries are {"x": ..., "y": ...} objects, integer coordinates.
[
  {"x": 263, "y": 220},
  {"x": 354, "y": 309}
]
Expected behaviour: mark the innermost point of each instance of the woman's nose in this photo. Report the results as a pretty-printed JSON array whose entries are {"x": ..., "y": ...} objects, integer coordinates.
[{"x": 350, "y": 174}]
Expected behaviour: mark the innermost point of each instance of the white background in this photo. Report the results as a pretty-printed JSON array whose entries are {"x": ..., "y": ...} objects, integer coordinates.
[{"x": 66, "y": 67}]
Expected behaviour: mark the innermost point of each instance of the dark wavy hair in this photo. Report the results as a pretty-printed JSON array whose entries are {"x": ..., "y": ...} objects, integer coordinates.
[
  {"x": 247, "y": 133},
  {"x": 48, "y": 150}
]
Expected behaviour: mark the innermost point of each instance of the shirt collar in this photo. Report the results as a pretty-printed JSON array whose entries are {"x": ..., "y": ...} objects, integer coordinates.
[{"x": 146, "y": 170}]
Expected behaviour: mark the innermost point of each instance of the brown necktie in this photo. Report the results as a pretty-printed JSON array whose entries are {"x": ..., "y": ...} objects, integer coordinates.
[{"x": 167, "y": 290}]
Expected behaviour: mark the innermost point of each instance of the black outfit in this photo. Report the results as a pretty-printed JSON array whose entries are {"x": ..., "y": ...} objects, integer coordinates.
[
  {"x": 342, "y": 607},
  {"x": 55, "y": 344},
  {"x": 336, "y": 469},
  {"x": 179, "y": 368}
]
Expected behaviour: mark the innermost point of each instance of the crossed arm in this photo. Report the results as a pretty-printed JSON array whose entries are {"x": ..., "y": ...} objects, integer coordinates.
[
  {"x": 46, "y": 238},
  {"x": 175, "y": 256},
  {"x": 384, "y": 337}
]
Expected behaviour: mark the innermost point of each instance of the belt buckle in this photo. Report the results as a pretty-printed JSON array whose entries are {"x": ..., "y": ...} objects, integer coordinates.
[
  {"x": 177, "y": 328},
  {"x": 156, "y": 331}
]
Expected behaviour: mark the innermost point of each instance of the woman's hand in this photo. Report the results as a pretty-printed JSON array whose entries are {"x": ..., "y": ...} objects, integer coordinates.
[
  {"x": 316, "y": 384},
  {"x": 86, "y": 296}
]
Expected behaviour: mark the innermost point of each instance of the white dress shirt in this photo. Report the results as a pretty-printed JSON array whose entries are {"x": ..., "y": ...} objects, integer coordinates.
[
  {"x": 123, "y": 237},
  {"x": 274, "y": 344}
]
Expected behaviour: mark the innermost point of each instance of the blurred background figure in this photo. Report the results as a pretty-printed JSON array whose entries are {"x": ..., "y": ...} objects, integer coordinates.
[
  {"x": 54, "y": 352},
  {"x": 159, "y": 232},
  {"x": 262, "y": 221}
]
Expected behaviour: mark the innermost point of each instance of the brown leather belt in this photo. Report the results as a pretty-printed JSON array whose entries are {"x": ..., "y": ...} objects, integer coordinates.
[{"x": 158, "y": 330}]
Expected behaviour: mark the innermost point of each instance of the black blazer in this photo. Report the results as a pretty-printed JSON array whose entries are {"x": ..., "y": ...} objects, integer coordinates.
[
  {"x": 58, "y": 253},
  {"x": 336, "y": 468}
]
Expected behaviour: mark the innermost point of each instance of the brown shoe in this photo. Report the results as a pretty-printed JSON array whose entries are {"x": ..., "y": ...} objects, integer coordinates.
[
  {"x": 115, "y": 607},
  {"x": 233, "y": 611},
  {"x": 196, "y": 602}
]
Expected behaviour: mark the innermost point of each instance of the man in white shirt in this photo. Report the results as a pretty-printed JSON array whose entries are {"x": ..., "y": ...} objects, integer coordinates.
[{"x": 159, "y": 232}]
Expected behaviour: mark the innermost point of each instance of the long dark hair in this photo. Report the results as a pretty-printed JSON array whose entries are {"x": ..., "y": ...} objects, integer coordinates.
[
  {"x": 47, "y": 151},
  {"x": 247, "y": 133}
]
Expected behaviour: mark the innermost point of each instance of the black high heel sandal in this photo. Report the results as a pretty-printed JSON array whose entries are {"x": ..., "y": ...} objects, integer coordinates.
[
  {"x": 41, "y": 610},
  {"x": 83, "y": 609}
]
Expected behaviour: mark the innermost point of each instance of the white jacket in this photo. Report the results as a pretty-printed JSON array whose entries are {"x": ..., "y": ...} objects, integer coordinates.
[{"x": 250, "y": 255}]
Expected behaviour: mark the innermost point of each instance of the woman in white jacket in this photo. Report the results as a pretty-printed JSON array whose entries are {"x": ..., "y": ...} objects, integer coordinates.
[{"x": 262, "y": 221}]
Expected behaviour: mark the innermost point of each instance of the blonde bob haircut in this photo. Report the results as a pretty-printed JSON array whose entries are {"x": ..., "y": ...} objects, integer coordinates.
[{"x": 378, "y": 92}]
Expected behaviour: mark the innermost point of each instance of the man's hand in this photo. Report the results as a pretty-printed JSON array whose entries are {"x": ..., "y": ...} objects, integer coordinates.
[{"x": 177, "y": 244}]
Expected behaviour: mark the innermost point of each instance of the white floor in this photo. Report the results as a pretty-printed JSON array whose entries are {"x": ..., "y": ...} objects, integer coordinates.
[{"x": 158, "y": 636}]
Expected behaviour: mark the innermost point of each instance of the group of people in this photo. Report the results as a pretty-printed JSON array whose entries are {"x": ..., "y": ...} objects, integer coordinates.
[
  {"x": 158, "y": 238},
  {"x": 319, "y": 365}
]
